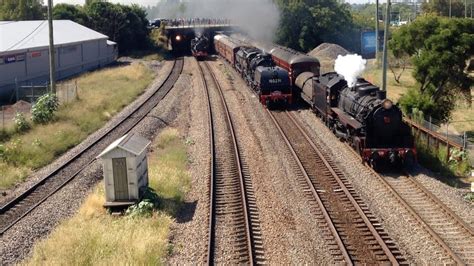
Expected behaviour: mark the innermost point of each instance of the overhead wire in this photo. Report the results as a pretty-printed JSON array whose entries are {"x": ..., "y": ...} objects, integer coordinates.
[{"x": 31, "y": 33}]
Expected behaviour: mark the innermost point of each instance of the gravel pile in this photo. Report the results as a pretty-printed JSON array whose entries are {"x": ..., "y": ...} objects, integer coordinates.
[
  {"x": 17, "y": 243},
  {"x": 413, "y": 241},
  {"x": 327, "y": 53}
]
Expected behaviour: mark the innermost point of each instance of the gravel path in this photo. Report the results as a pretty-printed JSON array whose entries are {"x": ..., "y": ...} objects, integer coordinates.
[
  {"x": 412, "y": 240},
  {"x": 17, "y": 243},
  {"x": 189, "y": 232}
]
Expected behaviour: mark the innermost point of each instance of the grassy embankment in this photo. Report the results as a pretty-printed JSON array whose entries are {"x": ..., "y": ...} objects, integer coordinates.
[
  {"x": 462, "y": 112},
  {"x": 95, "y": 237},
  {"x": 101, "y": 94}
]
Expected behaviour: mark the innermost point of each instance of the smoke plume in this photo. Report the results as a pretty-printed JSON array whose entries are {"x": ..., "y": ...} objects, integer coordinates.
[
  {"x": 350, "y": 66},
  {"x": 259, "y": 18}
]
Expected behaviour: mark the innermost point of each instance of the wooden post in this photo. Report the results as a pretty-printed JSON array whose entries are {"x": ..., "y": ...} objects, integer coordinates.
[
  {"x": 3, "y": 116},
  {"x": 447, "y": 142},
  {"x": 52, "y": 62},
  {"x": 385, "y": 47}
]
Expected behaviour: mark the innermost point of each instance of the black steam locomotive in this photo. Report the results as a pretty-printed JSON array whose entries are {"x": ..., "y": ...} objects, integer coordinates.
[
  {"x": 200, "y": 47},
  {"x": 270, "y": 82},
  {"x": 360, "y": 115}
]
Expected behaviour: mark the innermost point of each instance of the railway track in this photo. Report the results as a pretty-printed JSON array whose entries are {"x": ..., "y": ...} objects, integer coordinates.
[
  {"x": 17, "y": 208},
  {"x": 234, "y": 233},
  {"x": 454, "y": 235},
  {"x": 448, "y": 229},
  {"x": 356, "y": 234}
]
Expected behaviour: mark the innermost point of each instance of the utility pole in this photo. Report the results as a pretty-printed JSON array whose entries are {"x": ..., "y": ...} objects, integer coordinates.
[
  {"x": 449, "y": 8},
  {"x": 52, "y": 66},
  {"x": 377, "y": 33},
  {"x": 465, "y": 8},
  {"x": 385, "y": 47}
]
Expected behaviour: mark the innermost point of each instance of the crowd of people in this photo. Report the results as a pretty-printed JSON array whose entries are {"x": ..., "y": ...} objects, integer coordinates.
[{"x": 181, "y": 22}]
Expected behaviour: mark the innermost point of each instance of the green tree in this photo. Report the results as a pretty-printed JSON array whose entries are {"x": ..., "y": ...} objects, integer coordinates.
[
  {"x": 70, "y": 12},
  {"x": 22, "y": 10},
  {"x": 127, "y": 25},
  {"x": 439, "y": 48},
  {"x": 441, "y": 7},
  {"x": 306, "y": 24}
]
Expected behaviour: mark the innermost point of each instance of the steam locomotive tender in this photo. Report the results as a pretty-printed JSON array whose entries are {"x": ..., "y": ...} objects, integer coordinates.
[
  {"x": 271, "y": 83},
  {"x": 200, "y": 47},
  {"x": 362, "y": 116}
]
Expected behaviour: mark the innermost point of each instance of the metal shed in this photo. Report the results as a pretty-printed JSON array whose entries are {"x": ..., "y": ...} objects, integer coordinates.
[
  {"x": 125, "y": 170},
  {"x": 24, "y": 54}
]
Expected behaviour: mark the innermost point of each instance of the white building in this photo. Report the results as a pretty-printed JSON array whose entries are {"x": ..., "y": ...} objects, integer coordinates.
[{"x": 24, "y": 54}]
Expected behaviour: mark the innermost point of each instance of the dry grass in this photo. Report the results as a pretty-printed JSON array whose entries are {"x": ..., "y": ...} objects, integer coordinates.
[
  {"x": 101, "y": 93},
  {"x": 462, "y": 111},
  {"x": 95, "y": 237}
]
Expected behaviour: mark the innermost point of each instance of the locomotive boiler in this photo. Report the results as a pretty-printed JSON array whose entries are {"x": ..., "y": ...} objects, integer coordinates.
[{"x": 360, "y": 115}]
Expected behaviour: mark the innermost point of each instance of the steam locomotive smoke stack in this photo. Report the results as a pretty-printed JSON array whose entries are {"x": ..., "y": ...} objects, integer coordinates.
[{"x": 350, "y": 67}]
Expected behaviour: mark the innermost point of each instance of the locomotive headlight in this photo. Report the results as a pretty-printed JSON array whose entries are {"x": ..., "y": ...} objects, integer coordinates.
[
  {"x": 387, "y": 104},
  {"x": 178, "y": 38}
]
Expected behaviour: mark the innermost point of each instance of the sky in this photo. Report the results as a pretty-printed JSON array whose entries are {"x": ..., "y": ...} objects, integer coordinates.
[{"x": 153, "y": 2}]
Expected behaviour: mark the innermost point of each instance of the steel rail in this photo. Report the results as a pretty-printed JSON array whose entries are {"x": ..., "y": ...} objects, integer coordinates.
[
  {"x": 349, "y": 196},
  {"x": 250, "y": 250},
  {"x": 412, "y": 211},
  {"x": 334, "y": 232},
  {"x": 169, "y": 81}
]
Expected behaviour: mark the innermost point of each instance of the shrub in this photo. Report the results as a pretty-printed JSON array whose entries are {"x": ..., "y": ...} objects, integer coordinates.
[
  {"x": 21, "y": 124},
  {"x": 43, "y": 111},
  {"x": 415, "y": 100},
  {"x": 143, "y": 209}
]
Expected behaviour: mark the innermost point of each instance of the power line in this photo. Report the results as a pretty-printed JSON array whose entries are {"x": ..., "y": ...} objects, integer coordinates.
[{"x": 31, "y": 33}]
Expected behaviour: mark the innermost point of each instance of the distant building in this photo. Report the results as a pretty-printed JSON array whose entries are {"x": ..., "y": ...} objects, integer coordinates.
[{"x": 24, "y": 54}]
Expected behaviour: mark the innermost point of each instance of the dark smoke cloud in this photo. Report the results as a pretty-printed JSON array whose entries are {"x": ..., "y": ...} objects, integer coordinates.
[{"x": 259, "y": 18}]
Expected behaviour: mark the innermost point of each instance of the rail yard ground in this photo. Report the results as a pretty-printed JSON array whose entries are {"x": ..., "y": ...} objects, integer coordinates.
[
  {"x": 101, "y": 95},
  {"x": 290, "y": 231}
]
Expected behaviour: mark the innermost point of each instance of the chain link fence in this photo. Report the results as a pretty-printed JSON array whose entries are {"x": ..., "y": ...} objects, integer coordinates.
[{"x": 26, "y": 94}]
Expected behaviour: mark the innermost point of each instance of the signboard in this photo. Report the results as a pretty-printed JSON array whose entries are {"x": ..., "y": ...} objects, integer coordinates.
[
  {"x": 367, "y": 45},
  {"x": 10, "y": 59},
  {"x": 20, "y": 57},
  {"x": 14, "y": 58},
  {"x": 35, "y": 54}
]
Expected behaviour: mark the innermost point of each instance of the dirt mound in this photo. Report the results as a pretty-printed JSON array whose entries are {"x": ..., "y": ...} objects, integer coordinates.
[{"x": 328, "y": 51}]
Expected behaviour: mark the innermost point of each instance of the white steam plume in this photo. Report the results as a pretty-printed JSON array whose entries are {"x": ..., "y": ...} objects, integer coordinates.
[
  {"x": 259, "y": 18},
  {"x": 350, "y": 66}
]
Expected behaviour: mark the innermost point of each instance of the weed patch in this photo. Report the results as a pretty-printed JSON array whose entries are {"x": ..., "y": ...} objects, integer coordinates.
[{"x": 101, "y": 93}]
